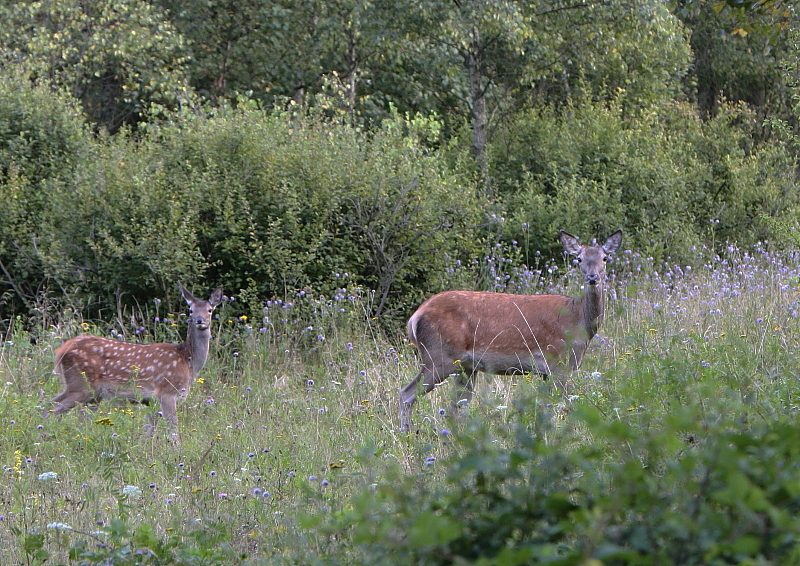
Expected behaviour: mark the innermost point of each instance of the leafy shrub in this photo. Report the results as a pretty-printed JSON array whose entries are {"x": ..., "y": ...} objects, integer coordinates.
[
  {"x": 42, "y": 136},
  {"x": 290, "y": 201},
  {"x": 265, "y": 205},
  {"x": 667, "y": 179},
  {"x": 724, "y": 494}
]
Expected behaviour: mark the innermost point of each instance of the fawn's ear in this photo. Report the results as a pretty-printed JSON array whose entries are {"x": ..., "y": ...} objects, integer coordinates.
[{"x": 216, "y": 297}]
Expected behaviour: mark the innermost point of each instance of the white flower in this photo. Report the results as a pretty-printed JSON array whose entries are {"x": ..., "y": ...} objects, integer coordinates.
[
  {"x": 48, "y": 476},
  {"x": 61, "y": 526},
  {"x": 131, "y": 491}
]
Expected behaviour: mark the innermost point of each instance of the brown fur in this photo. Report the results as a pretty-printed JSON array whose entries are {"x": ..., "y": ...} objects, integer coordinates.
[{"x": 505, "y": 334}]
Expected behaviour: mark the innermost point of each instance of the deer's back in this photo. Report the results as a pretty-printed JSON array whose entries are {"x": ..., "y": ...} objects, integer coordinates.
[
  {"x": 497, "y": 321},
  {"x": 112, "y": 362}
]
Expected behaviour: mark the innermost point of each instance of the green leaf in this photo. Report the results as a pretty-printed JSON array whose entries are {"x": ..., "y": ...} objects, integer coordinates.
[{"x": 431, "y": 529}]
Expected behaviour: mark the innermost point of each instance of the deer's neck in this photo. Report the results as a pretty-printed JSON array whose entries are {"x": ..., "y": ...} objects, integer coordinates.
[
  {"x": 591, "y": 309},
  {"x": 195, "y": 348}
]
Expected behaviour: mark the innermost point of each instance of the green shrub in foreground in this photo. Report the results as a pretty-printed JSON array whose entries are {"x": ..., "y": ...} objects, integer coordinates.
[
  {"x": 696, "y": 489},
  {"x": 723, "y": 494}
]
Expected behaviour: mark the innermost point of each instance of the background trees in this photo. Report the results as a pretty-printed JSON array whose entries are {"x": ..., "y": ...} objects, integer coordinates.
[
  {"x": 117, "y": 57},
  {"x": 270, "y": 145}
]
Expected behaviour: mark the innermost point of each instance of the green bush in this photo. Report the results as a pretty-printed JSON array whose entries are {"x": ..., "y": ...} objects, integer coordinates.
[
  {"x": 724, "y": 494},
  {"x": 288, "y": 202},
  {"x": 272, "y": 204},
  {"x": 42, "y": 145},
  {"x": 670, "y": 181},
  {"x": 265, "y": 205}
]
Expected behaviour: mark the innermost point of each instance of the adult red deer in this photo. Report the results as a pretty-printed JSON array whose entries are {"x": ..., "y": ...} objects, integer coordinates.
[
  {"x": 463, "y": 332},
  {"x": 94, "y": 368}
]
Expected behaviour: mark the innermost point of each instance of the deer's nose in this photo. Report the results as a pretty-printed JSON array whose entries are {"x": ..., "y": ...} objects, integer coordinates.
[{"x": 593, "y": 278}]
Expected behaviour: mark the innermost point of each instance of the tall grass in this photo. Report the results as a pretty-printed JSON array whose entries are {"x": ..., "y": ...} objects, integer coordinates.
[{"x": 295, "y": 413}]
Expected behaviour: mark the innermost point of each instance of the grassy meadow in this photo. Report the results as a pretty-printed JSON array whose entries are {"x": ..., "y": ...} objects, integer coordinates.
[{"x": 295, "y": 415}]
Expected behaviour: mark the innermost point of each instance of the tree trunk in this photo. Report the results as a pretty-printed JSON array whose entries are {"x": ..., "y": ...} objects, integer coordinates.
[
  {"x": 477, "y": 94},
  {"x": 352, "y": 70}
]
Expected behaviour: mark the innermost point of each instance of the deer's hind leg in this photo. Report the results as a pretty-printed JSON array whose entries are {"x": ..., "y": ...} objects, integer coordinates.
[
  {"x": 430, "y": 375},
  {"x": 408, "y": 396},
  {"x": 76, "y": 392},
  {"x": 465, "y": 388}
]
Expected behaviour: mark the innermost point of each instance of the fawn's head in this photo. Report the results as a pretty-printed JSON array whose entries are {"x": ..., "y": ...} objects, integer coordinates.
[{"x": 200, "y": 311}]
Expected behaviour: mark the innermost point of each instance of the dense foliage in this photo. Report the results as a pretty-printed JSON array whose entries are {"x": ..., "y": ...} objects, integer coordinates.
[{"x": 270, "y": 145}]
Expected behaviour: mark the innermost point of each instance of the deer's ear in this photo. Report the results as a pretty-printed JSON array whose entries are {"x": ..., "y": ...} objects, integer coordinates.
[
  {"x": 216, "y": 297},
  {"x": 570, "y": 243},
  {"x": 613, "y": 243},
  {"x": 187, "y": 296}
]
